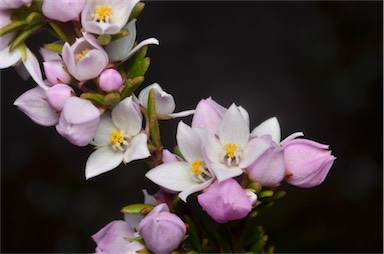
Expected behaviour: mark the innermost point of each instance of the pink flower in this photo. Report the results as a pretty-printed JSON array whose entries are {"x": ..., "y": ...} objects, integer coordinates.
[
  {"x": 307, "y": 162},
  {"x": 58, "y": 94},
  {"x": 56, "y": 73},
  {"x": 161, "y": 230},
  {"x": 63, "y": 10},
  {"x": 110, "y": 80},
  {"x": 208, "y": 115},
  {"x": 226, "y": 201}
]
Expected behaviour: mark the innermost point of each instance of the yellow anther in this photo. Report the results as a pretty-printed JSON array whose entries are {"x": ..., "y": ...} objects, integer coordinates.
[
  {"x": 196, "y": 165},
  {"x": 82, "y": 54},
  {"x": 103, "y": 13},
  {"x": 116, "y": 137},
  {"x": 231, "y": 150}
]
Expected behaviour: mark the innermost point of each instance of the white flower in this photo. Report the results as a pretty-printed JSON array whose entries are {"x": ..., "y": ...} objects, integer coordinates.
[
  {"x": 233, "y": 150},
  {"x": 187, "y": 176},
  {"x": 118, "y": 139},
  {"x": 164, "y": 102},
  {"x": 106, "y": 16}
]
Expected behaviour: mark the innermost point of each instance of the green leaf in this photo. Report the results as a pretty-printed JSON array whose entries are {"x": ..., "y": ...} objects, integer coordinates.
[
  {"x": 139, "y": 64},
  {"x": 12, "y": 26},
  {"x": 193, "y": 233},
  {"x": 33, "y": 18},
  {"x": 59, "y": 32},
  {"x": 266, "y": 194},
  {"x": 104, "y": 39},
  {"x": 130, "y": 86},
  {"x": 136, "y": 11},
  {"x": 123, "y": 32},
  {"x": 142, "y": 209},
  {"x": 95, "y": 97},
  {"x": 152, "y": 118},
  {"x": 112, "y": 99},
  {"x": 54, "y": 47},
  {"x": 20, "y": 38}
]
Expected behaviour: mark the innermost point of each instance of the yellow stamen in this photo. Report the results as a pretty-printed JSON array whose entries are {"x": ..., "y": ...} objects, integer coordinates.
[
  {"x": 82, "y": 54},
  {"x": 116, "y": 137},
  {"x": 231, "y": 150},
  {"x": 196, "y": 165},
  {"x": 103, "y": 13}
]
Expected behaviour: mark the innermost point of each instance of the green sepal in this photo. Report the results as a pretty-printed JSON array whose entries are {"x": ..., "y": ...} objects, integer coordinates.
[
  {"x": 33, "y": 18},
  {"x": 136, "y": 11},
  {"x": 20, "y": 38},
  {"x": 112, "y": 99},
  {"x": 255, "y": 186},
  {"x": 58, "y": 31},
  {"x": 177, "y": 152},
  {"x": 152, "y": 118},
  {"x": 266, "y": 194},
  {"x": 193, "y": 233},
  {"x": 54, "y": 47},
  {"x": 95, "y": 97},
  {"x": 123, "y": 32},
  {"x": 130, "y": 86},
  {"x": 104, "y": 39},
  {"x": 142, "y": 209},
  {"x": 12, "y": 26},
  {"x": 139, "y": 63}
]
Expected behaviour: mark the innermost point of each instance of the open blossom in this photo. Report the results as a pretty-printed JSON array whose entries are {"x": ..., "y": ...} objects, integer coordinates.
[
  {"x": 122, "y": 49},
  {"x": 63, "y": 10},
  {"x": 307, "y": 162},
  {"x": 226, "y": 201},
  {"x": 106, "y": 17},
  {"x": 113, "y": 238},
  {"x": 208, "y": 115},
  {"x": 187, "y": 176},
  {"x": 12, "y": 4},
  {"x": 56, "y": 73},
  {"x": 118, "y": 139},
  {"x": 161, "y": 230},
  {"x": 85, "y": 59},
  {"x": 164, "y": 102},
  {"x": 78, "y": 121},
  {"x": 233, "y": 150}
]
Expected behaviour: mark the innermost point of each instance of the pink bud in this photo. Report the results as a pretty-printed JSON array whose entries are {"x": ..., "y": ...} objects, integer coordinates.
[
  {"x": 208, "y": 115},
  {"x": 78, "y": 121},
  {"x": 161, "y": 230},
  {"x": 58, "y": 94},
  {"x": 110, "y": 80},
  {"x": 307, "y": 162},
  {"x": 225, "y": 201},
  {"x": 62, "y": 10},
  {"x": 56, "y": 73}
]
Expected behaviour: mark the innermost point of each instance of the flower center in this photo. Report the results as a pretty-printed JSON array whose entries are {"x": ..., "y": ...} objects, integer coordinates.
[
  {"x": 102, "y": 13},
  {"x": 118, "y": 140},
  {"x": 231, "y": 154},
  {"x": 200, "y": 173},
  {"x": 82, "y": 54}
]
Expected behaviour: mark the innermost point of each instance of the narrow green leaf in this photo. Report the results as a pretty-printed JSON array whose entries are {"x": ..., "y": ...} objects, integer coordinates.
[
  {"x": 112, "y": 99},
  {"x": 54, "y": 47},
  {"x": 12, "y": 26},
  {"x": 59, "y": 32},
  {"x": 193, "y": 234},
  {"x": 136, "y": 11},
  {"x": 123, "y": 32},
  {"x": 130, "y": 86},
  {"x": 24, "y": 35},
  {"x": 152, "y": 118},
  {"x": 33, "y": 18},
  {"x": 266, "y": 194},
  {"x": 104, "y": 39},
  {"x": 138, "y": 65},
  {"x": 142, "y": 209},
  {"x": 95, "y": 97}
]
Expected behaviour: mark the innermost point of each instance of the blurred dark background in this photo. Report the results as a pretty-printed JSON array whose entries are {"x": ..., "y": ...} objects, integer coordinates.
[{"x": 317, "y": 66}]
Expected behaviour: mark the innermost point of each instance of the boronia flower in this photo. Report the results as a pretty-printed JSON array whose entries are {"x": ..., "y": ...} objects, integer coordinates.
[
  {"x": 85, "y": 59},
  {"x": 118, "y": 139},
  {"x": 106, "y": 16},
  {"x": 187, "y": 176},
  {"x": 62, "y": 10},
  {"x": 164, "y": 102},
  {"x": 233, "y": 150}
]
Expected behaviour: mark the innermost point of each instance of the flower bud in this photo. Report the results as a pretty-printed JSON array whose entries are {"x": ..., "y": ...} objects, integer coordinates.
[
  {"x": 225, "y": 201},
  {"x": 58, "y": 94},
  {"x": 62, "y": 10},
  {"x": 208, "y": 115},
  {"x": 110, "y": 80},
  {"x": 161, "y": 230},
  {"x": 307, "y": 162},
  {"x": 12, "y": 4},
  {"x": 56, "y": 73},
  {"x": 78, "y": 121}
]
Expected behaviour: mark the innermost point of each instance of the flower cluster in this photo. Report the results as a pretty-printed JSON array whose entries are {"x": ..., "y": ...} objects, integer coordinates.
[{"x": 220, "y": 174}]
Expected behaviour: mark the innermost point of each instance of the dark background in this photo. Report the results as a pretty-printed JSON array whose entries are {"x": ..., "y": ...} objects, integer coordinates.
[{"x": 317, "y": 66}]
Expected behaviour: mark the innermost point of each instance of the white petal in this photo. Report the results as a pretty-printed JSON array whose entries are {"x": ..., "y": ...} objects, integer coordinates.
[
  {"x": 7, "y": 59},
  {"x": 234, "y": 128},
  {"x": 139, "y": 46},
  {"x": 189, "y": 143},
  {"x": 212, "y": 147},
  {"x": 102, "y": 160},
  {"x": 104, "y": 131},
  {"x": 271, "y": 127},
  {"x": 255, "y": 148},
  {"x": 33, "y": 67},
  {"x": 185, "y": 193},
  {"x": 126, "y": 117},
  {"x": 49, "y": 55},
  {"x": 137, "y": 148},
  {"x": 179, "y": 114},
  {"x": 175, "y": 176},
  {"x": 292, "y": 136},
  {"x": 165, "y": 103},
  {"x": 224, "y": 172},
  {"x": 244, "y": 113}
]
